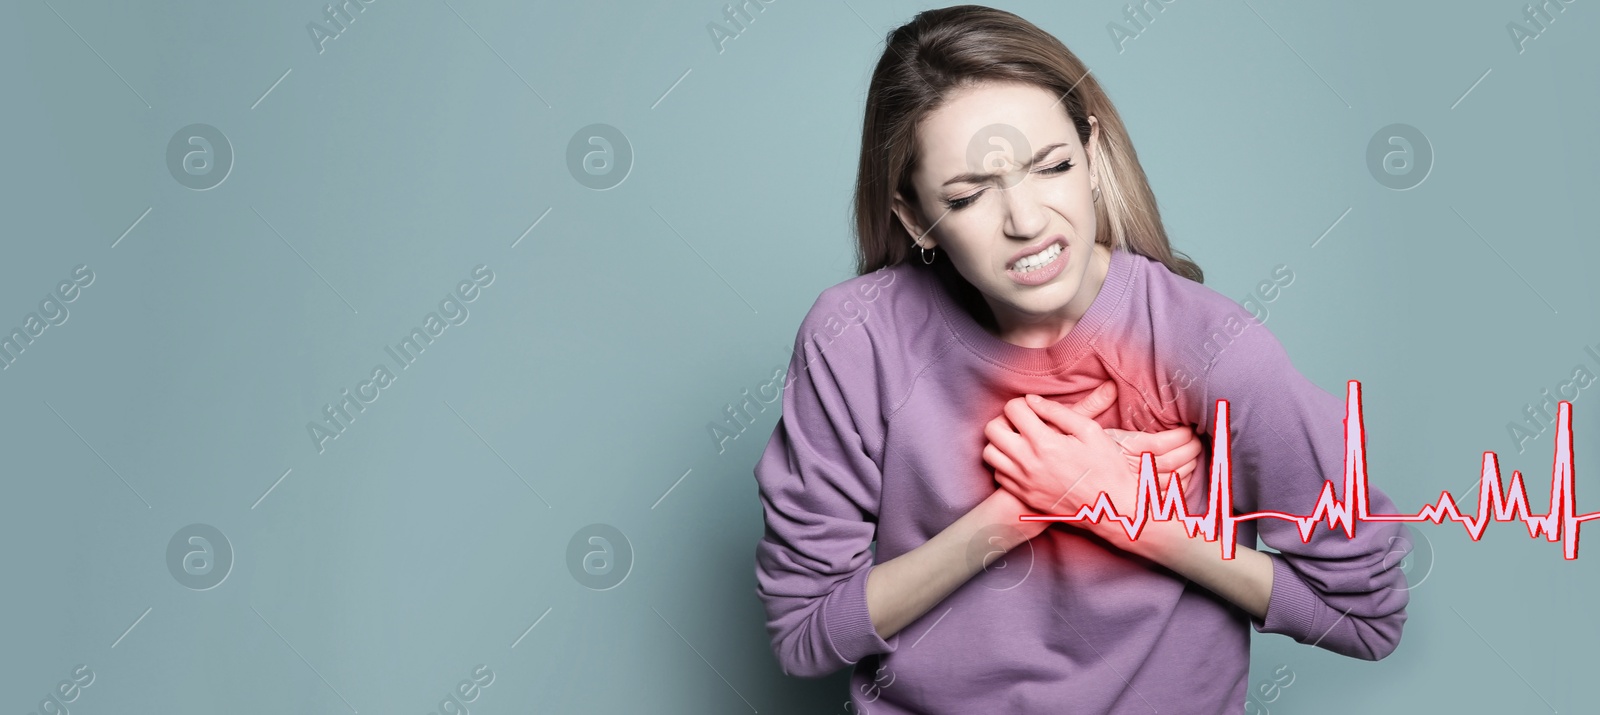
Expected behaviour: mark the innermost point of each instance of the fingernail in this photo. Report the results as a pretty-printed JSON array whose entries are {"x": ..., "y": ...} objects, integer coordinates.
[{"x": 1034, "y": 399}]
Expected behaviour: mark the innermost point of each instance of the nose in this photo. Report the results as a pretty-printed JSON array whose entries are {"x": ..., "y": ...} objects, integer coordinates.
[{"x": 1024, "y": 212}]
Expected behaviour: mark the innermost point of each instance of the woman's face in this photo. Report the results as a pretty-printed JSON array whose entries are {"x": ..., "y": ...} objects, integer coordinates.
[{"x": 1002, "y": 177}]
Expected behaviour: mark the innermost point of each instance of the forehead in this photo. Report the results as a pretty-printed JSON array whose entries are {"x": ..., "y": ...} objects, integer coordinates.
[{"x": 970, "y": 114}]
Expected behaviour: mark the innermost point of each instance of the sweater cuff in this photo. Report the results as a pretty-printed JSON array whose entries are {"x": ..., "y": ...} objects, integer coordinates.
[
  {"x": 848, "y": 624},
  {"x": 1292, "y": 607}
]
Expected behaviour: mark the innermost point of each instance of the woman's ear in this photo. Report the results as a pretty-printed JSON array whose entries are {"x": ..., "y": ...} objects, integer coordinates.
[
  {"x": 910, "y": 218},
  {"x": 1088, "y": 150}
]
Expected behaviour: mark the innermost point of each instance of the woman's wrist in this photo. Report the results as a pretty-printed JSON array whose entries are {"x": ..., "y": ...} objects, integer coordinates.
[
  {"x": 1164, "y": 542},
  {"x": 1245, "y": 580},
  {"x": 1004, "y": 508}
]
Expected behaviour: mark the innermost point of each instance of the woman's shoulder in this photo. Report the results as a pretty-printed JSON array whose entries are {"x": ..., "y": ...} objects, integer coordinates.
[
  {"x": 1199, "y": 325},
  {"x": 1181, "y": 299},
  {"x": 870, "y": 304},
  {"x": 869, "y": 335},
  {"x": 864, "y": 289}
]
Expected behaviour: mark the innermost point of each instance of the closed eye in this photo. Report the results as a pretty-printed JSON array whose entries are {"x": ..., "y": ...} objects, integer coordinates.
[{"x": 961, "y": 203}]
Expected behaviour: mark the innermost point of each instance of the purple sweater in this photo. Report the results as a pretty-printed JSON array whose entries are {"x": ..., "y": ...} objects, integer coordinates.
[{"x": 880, "y": 439}]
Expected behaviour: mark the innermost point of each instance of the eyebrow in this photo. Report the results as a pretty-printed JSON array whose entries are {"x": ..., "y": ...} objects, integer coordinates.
[{"x": 974, "y": 177}]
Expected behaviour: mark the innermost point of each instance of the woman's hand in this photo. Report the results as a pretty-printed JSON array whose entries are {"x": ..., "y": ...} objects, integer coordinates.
[
  {"x": 1176, "y": 449},
  {"x": 1058, "y": 472},
  {"x": 1101, "y": 398}
]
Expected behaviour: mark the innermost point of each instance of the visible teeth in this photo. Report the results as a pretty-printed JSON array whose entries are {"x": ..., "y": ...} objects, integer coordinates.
[{"x": 1038, "y": 259}]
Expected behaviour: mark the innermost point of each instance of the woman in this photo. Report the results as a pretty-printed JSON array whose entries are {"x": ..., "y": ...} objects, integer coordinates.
[{"x": 910, "y": 442}]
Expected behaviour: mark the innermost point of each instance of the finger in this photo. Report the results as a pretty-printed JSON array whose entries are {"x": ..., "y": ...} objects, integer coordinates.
[
  {"x": 999, "y": 424},
  {"x": 1004, "y": 437},
  {"x": 1195, "y": 482},
  {"x": 1187, "y": 469},
  {"x": 1098, "y": 400},
  {"x": 1140, "y": 443},
  {"x": 1182, "y": 453},
  {"x": 1064, "y": 418},
  {"x": 1027, "y": 421},
  {"x": 1192, "y": 485},
  {"x": 1167, "y": 484},
  {"x": 1158, "y": 443},
  {"x": 998, "y": 459}
]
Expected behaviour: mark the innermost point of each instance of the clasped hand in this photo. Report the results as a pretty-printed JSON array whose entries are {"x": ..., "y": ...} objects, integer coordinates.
[{"x": 1055, "y": 459}]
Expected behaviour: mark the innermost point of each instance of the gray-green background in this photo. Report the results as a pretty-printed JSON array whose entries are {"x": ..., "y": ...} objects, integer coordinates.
[{"x": 367, "y": 180}]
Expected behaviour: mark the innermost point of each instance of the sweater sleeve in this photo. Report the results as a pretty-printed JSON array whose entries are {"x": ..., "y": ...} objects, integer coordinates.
[
  {"x": 1346, "y": 595},
  {"x": 819, "y": 490}
]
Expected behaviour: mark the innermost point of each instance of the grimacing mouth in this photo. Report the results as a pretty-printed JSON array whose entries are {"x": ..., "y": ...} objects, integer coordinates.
[{"x": 1057, "y": 240}]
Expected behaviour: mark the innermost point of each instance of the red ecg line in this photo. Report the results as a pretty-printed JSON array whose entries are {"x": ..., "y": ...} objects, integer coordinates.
[{"x": 1507, "y": 504}]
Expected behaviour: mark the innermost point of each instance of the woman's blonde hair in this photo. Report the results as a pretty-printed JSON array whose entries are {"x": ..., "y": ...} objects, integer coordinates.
[{"x": 949, "y": 48}]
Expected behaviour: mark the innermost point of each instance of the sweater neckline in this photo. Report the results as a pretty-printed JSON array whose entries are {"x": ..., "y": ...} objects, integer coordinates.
[{"x": 1066, "y": 351}]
